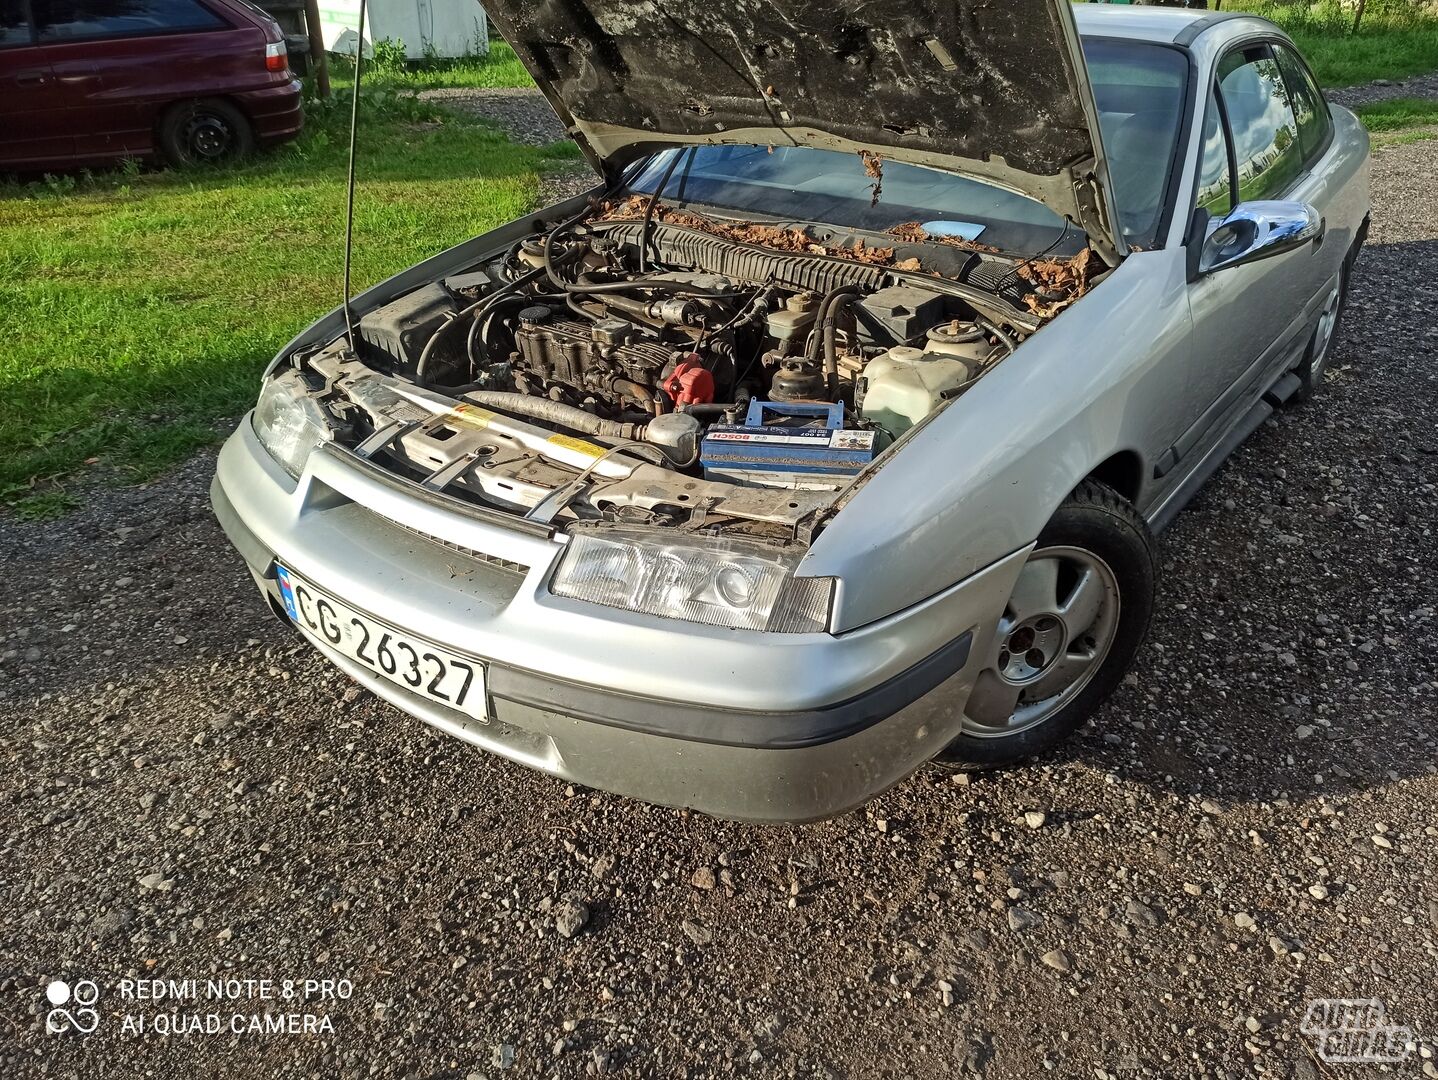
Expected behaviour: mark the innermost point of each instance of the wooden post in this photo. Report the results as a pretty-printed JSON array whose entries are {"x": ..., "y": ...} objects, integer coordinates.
[
  {"x": 317, "y": 48},
  {"x": 1358, "y": 15}
]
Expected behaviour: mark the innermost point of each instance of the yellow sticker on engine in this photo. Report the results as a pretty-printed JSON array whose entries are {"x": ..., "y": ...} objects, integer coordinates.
[
  {"x": 579, "y": 446},
  {"x": 471, "y": 416}
]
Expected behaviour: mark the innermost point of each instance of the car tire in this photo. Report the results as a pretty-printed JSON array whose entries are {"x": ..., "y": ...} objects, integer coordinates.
[
  {"x": 1065, "y": 672},
  {"x": 205, "y": 132},
  {"x": 1325, "y": 334}
]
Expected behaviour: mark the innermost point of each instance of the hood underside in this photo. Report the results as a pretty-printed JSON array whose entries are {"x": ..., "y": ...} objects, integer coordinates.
[{"x": 991, "y": 89}]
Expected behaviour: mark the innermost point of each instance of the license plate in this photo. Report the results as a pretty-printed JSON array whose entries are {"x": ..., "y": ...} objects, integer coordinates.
[{"x": 420, "y": 666}]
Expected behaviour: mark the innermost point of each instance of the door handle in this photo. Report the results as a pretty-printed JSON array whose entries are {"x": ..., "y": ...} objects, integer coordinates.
[{"x": 31, "y": 78}]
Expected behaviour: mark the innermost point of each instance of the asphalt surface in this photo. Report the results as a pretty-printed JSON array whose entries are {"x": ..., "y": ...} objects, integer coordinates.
[{"x": 188, "y": 792}]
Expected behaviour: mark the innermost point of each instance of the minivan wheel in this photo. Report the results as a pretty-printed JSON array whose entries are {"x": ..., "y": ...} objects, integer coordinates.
[
  {"x": 1078, "y": 613},
  {"x": 205, "y": 132}
]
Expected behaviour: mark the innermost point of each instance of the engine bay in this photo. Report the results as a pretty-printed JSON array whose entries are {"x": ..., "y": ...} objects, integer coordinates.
[{"x": 656, "y": 368}]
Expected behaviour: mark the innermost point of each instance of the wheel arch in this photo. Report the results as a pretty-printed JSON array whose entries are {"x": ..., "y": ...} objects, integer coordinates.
[{"x": 1123, "y": 472}]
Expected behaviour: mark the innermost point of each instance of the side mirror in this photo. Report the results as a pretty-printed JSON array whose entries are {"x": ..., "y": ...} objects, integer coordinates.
[{"x": 1257, "y": 230}]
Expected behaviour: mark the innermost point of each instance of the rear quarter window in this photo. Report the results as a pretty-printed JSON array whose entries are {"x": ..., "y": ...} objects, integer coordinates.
[
  {"x": 69, "y": 20},
  {"x": 1315, "y": 125}
]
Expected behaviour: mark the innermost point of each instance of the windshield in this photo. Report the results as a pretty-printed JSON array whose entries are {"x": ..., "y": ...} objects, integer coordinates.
[{"x": 1140, "y": 92}]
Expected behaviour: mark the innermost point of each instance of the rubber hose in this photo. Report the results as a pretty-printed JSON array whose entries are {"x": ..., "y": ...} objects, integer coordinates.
[
  {"x": 1004, "y": 338},
  {"x": 556, "y": 412},
  {"x": 827, "y": 336},
  {"x": 814, "y": 350},
  {"x": 649, "y": 209},
  {"x": 421, "y": 369}
]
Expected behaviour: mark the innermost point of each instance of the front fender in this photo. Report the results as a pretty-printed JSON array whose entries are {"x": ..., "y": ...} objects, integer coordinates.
[{"x": 981, "y": 479}]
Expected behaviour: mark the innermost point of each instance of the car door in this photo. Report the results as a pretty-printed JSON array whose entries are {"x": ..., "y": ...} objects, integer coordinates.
[
  {"x": 1251, "y": 322},
  {"x": 32, "y": 128},
  {"x": 122, "y": 63}
]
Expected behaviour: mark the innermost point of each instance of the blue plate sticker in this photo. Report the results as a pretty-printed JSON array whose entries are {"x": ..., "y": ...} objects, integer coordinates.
[{"x": 287, "y": 592}]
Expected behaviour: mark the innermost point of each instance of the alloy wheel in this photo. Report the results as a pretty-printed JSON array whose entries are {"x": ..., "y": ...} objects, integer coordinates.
[
  {"x": 1327, "y": 324},
  {"x": 1052, "y": 639}
]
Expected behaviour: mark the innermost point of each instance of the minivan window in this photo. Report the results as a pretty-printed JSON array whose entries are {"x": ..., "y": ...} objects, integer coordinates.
[
  {"x": 14, "y": 24},
  {"x": 68, "y": 20},
  {"x": 1261, "y": 122}
]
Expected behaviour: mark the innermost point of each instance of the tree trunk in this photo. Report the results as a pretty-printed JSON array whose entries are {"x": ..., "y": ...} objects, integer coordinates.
[
  {"x": 317, "y": 48},
  {"x": 1358, "y": 15}
]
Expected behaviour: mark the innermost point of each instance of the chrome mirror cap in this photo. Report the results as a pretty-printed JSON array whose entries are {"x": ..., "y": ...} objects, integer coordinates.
[{"x": 1258, "y": 230}]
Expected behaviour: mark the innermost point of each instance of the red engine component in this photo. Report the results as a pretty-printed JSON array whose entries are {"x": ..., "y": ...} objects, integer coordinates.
[{"x": 690, "y": 383}]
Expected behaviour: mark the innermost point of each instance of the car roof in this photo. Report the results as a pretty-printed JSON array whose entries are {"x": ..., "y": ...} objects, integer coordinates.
[{"x": 1164, "y": 25}]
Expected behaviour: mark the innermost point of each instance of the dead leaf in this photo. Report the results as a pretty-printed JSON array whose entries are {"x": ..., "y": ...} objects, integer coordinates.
[{"x": 874, "y": 168}]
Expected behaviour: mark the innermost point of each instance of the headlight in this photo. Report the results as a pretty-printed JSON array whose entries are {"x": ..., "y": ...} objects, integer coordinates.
[
  {"x": 734, "y": 583},
  {"x": 289, "y": 422}
]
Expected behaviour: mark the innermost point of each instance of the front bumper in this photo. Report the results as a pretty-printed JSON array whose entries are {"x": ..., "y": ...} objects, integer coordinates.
[{"x": 738, "y": 724}]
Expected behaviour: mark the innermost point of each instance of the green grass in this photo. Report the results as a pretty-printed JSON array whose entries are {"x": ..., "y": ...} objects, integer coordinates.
[
  {"x": 1399, "y": 113},
  {"x": 45, "y": 506},
  {"x": 139, "y": 308},
  {"x": 499, "y": 69},
  {"x": 1395, "y": 39},
  {"x": 1401, "y": 138}
]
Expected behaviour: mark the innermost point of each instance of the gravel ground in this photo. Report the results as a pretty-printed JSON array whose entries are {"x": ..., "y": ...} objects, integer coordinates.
[
  {"x": 521, "y": 111},
  {"x": 1418, "y": 86},
  {"x": 189, "y": 792}
]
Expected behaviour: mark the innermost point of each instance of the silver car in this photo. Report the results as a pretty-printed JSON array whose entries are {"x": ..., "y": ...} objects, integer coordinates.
[{"x": 828, "y": 436}]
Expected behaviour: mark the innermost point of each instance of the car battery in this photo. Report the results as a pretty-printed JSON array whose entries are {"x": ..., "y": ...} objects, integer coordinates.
[{"x": 787, "y": 444}]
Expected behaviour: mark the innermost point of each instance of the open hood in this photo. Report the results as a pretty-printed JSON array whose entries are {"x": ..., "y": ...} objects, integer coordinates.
[{"x": 995, "y": 90}]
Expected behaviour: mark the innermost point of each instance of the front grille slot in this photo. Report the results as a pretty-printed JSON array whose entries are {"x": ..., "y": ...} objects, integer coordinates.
[{"x": 508, "y": 566}]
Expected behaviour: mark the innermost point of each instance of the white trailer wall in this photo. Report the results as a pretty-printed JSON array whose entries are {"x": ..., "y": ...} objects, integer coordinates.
[{"x": 447, "y": 28}]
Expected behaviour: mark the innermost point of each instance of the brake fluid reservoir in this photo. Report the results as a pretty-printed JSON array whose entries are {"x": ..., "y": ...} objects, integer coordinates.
[{"x": 905, "y": 384}]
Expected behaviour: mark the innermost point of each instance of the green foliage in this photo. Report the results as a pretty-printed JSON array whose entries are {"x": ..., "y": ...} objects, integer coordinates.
[
  {"x": 389, "y": 57},
  {"x": 138, "y": 308},
  {"x": 1395, "y": 38},
  {"x": 45, "y": 506},
  {"x": 1399, "y": 113},
  {"x": 500, "y": 68}
]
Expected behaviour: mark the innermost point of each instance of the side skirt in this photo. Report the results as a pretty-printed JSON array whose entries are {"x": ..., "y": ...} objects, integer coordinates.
[{"x": 1162, "y": 516}]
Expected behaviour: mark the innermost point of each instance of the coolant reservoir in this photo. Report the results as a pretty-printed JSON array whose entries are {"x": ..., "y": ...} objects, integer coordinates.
[{"x": 905, "y": 384}]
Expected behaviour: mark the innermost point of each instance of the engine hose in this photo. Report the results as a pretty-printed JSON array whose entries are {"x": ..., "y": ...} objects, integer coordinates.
[
  {"x": 609, "y": 286},
  {"x": 479, "y": 307},
  {"x": 653, "y": 202},
  {"x": 827, "y": 336},
  {"x": 556, "y": 412},
  {"x": 815, "y": 347},
  {"x": 1004, "y": 339},
  {"x": 484, "y": 319}
]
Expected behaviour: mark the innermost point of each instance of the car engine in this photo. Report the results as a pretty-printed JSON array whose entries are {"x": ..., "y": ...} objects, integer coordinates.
[{"x": 745, "y": 358}]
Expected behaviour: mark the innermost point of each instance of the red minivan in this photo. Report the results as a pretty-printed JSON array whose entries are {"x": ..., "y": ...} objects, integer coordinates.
[{"x": 85, "y": 82}]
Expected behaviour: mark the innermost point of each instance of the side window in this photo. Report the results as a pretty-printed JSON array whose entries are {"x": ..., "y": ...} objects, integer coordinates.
[
  {"x": 1261, "y": 122},
  {"x": 64, "y": 20},
  {"x": 1315, "y": 125},
  {"x": 1215, "y": 180},
  {"x": 14, "y": 24}
]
